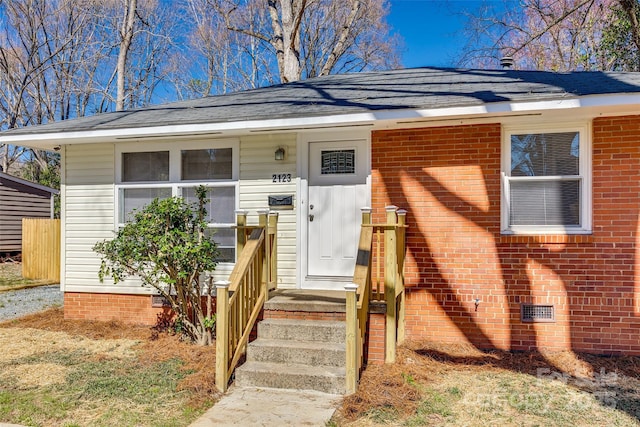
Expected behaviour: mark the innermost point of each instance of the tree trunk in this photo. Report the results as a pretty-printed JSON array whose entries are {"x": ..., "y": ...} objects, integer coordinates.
[
  {"x": 286, "y": 36},
  {"x": 4, "y": 167},
  {"x": 126, "y": 36}
]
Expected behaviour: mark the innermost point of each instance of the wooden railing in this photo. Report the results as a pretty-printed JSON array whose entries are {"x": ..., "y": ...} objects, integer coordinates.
[
  {"x": 378, "y": 276},
  {"x": 240, "y": 299}
]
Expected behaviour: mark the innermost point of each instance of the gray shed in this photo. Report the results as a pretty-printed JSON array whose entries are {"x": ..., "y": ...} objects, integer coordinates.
[{"x": 19, "y": 199}]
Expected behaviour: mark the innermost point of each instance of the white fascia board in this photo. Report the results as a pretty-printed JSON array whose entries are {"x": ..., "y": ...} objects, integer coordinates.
[{"x": 373, "y": 118}]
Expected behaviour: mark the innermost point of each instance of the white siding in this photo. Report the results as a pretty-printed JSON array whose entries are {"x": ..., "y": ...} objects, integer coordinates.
[
  {"x": 88, "y": 206},
  {"x": 257, "y": 167}
]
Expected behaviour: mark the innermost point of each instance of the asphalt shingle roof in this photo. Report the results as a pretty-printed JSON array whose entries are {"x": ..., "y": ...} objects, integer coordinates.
[{"x": 407, "y": 89}]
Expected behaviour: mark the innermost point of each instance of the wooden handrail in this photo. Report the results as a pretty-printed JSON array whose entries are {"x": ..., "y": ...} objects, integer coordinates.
[
  {"x": 381, "y": 247},
  {"x": 239, "y": 301},
  {"x": 358, "y": 294}
]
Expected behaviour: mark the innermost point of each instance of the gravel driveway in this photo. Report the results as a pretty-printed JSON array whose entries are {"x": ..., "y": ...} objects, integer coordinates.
[{"x": 19, "y": 303}]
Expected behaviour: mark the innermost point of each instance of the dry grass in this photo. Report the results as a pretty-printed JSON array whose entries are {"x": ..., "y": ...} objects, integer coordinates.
[
  {"x": 153, "y": 346},
  {"x": 62, "y": 372},
  {"x": 109, "y": 373},
  {"x": 446, "y": 385}
]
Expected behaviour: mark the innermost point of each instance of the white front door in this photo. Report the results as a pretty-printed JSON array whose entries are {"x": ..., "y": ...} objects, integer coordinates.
[{"x": 338, "y": 172}]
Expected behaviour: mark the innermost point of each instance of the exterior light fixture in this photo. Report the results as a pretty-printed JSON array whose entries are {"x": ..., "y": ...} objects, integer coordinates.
[{"x": 280, "y": 153}]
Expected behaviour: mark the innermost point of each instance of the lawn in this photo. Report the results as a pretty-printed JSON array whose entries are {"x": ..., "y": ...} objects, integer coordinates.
[
  {"x": 437, "y": 385},
  {"x": 56, "y": 372},
  {"x": 11, "y": 277}
]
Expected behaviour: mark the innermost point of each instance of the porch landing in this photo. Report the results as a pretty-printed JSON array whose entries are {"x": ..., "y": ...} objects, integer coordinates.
[{"x": 306, "y": 300}]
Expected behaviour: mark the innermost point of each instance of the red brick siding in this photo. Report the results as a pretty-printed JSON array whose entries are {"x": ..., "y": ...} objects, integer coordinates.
[
  {"x": 375, "y": 339},
  {"x": 449, "y": 181},
  {"x": 135, "y": 309}
]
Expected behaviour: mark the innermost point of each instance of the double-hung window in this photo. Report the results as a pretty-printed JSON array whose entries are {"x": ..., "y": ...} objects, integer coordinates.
[
  {"x": 148, "y": 171},
  {"x": 546, "y": 177}
]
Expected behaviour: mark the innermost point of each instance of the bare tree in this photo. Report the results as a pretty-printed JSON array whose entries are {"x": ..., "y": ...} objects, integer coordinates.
[
  {"x": 137, "y": 35},
  {"x": 297, "y": 39},
  {"x": 36, "y": 64},
  {"x": 59, "y": 59},
  {"x": 557, "y": 35}
]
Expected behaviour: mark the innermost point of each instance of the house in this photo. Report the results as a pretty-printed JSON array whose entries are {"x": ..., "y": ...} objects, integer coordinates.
[
  {"x": 19, "y": 199},
  {"x": 522, "y": 190}
]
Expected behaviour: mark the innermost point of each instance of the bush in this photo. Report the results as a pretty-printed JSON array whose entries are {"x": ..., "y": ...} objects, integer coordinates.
[{"x": 165, "y": 246}]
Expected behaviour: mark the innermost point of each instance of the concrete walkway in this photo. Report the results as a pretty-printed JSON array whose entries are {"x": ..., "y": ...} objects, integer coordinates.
[{"x": 243, "y": 406}]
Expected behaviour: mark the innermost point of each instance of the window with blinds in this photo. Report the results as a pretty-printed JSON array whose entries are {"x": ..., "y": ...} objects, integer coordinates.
[
  {"x": 545, "y": 182},
  {"x": 162, "y": 170}
]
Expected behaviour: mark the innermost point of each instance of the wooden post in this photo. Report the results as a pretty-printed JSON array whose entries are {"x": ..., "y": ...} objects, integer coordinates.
[
  {"x": 241, "y": 233},
  {"x": 352, "y": 338},
  {"x": 366, "y": 219},
  {"x": 273, "y": 237},
  {"x": 263, "y": 221},
  {"x": 366, "y": 215},
  {"x": 402, "y": 221},
  {"x": 222, "y": 334},
  {"x": 390, "y": 266}
]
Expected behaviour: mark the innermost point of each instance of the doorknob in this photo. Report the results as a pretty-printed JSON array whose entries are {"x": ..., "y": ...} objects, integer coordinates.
[{"x": 310, "y": 217}]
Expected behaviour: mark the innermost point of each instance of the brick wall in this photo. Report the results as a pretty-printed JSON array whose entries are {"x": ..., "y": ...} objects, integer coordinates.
[
  {"x": 449, "y": 181},
  {"x": 135, "y": 309}
]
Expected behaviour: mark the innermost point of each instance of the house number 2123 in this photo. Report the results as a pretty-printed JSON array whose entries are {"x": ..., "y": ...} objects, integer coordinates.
[{"x": 281, "y": 177}]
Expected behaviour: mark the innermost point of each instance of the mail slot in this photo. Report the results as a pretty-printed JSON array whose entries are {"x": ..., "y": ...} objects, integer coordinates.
[{"x": 281, "y": 201}]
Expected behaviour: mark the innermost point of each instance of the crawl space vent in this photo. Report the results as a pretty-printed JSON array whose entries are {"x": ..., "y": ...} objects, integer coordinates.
[
  {"x": 159, "y": 301},
  {"x": 537, "y": 313}
]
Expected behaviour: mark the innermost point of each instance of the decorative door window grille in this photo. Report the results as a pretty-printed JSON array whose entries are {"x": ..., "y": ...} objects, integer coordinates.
[{"x": 336, "y": 162}]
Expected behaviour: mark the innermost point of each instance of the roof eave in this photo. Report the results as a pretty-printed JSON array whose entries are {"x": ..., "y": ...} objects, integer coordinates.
[{"x": 382, "y": 118}]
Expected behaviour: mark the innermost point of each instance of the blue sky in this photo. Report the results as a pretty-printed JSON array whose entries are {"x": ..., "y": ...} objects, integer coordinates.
[{"x": 432, "y": 30}]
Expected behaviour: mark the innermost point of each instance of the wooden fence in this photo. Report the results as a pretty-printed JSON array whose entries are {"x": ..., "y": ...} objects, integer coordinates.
[{"x": 41, "y": 249}]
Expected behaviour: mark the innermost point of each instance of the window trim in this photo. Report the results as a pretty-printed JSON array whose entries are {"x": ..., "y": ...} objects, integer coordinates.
[
  {"x": 175, "y": 163},
  {"x": 585, "y": 173},
  {"x": 175, "y": 149}
]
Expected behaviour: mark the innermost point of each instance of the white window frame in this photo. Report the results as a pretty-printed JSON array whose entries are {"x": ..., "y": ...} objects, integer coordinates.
[
  {"x": 585, "y": 172},
  {"x": 175, "y": 183}
]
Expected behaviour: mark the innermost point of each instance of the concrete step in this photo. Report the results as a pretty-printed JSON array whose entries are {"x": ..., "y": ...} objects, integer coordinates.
[
  {"x": 327, "y": 379},
  {"x": 309, "y": 301},
  {"x": 289, "y": 352},
  {"x": 302, "y": 330}
]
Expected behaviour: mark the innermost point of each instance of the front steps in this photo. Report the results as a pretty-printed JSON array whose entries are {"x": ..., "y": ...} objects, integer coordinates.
[{"x": 296, "y": 354}]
